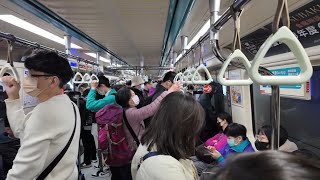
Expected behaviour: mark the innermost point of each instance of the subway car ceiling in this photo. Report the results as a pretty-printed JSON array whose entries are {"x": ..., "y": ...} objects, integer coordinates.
[{"x": 135, "y": 30}]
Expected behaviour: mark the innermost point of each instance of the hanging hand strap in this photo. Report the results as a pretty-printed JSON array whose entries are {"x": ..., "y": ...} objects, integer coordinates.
[
  {"x": 54, "y": 163},
  {"x": 282, "y": 13},
  {"x": 236, "y": 38},
  {"x": 130, "y": 128}
]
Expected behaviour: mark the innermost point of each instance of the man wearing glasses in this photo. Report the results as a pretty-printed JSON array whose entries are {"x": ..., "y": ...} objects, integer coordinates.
[{"x": 52, "y": 128}]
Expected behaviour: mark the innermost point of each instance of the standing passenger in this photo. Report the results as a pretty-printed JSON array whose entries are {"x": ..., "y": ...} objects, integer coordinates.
[
  {"x": 169, "y": 141},
  {"x": 50, "y": 126},
  {"x": 137, "y": 83},
  {"x": 101, "y": 87}
]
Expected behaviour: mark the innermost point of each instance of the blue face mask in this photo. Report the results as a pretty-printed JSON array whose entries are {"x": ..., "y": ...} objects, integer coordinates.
[{"x": 231, "y": 142}]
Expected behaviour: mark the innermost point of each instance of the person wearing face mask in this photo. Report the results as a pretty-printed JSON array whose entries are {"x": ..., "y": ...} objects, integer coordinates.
[
  {"x": 203, "y": 159},
  {"x": 101, "y": 87},
  {"x": 220, "y": 140},
  {"x": 128, "y": 100},
  {"x": 54, "y": 124},
  {"x": 137, "y": 88},
  {"x": 237, "y": 142},
  {"x": 264, "y": 138}
]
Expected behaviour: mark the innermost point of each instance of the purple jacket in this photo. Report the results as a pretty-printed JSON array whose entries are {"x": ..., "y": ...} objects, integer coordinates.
[
  {"x": 226, "y": 151},
  {"x": 136, "y": 116}
]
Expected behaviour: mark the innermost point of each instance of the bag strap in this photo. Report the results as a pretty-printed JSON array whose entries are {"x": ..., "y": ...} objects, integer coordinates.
[
  {"x": 148, "y": 155},
  {"x": 54, "y": 163},
  {"x": 130, "y": 128}
]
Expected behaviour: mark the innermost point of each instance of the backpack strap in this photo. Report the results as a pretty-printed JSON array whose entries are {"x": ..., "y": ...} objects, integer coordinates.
[
  {"x": 148, "y": 155},
  {"x": 130, "y": 128},
  {"x": 54, "y": 163}
]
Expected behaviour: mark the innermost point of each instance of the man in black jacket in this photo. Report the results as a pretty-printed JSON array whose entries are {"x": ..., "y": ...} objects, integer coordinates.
[
  {"x": 87, "y": 118},
  {"x": 212, "y": 101},
  {"x": 166, "y": 84}
]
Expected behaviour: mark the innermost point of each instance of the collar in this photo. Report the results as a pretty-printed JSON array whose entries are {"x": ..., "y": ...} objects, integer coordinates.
[{"x": 240, "y": 147}]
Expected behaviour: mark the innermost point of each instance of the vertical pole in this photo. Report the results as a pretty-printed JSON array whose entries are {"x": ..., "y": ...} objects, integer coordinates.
[
  {"x": 184, "y": 44},
  {"x": 214, "y": 16},
  {"x": 275, "y": 117},
  {"x": 141, "y": 65},
  {"x": 67, "y": 43},
  {"x": 98, "y": 60}
]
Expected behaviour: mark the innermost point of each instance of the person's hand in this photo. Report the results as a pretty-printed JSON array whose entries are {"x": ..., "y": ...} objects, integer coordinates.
[
  {"x": 94, "y": 84},
  {"x": 214, "y": 153},
  {"x": 12, "y": 87},
  {"x": 8, "y": 131},
  {"x": 175, "y": 87}
]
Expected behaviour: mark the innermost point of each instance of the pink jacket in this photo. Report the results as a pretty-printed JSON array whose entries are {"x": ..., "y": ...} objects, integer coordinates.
[
  {"x": 136, "y": 116},
  {"x": 221, "y": 141}
]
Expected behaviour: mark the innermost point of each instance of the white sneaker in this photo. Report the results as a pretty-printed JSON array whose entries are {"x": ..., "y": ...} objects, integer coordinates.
[{"x": 100, "y": 174}]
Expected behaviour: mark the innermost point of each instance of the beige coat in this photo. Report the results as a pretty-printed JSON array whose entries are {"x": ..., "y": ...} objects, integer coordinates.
[{"x": 161, "y": 167}]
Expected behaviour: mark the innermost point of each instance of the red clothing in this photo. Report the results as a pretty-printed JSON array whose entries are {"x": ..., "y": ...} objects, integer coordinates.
[{"x": 221, "y": 141}]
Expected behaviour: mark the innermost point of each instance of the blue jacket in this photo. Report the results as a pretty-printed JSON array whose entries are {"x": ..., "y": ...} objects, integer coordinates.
[
  {"x": 226, "y": 151},
  {"x": 95, "y": 105}
]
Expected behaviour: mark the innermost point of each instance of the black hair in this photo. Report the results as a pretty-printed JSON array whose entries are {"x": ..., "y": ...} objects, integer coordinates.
[
  {"x": 235, "y": 130},
  {"x": 266, "y": 165},
  {"x": 190, "y": 87},
  {"x": 83, "y": 85},
  {"x": 103, "y": 80},
  {"x": 173, "y": 129},
  {"x": 123, "y": 97},
  {"x": 225, "y": 116},
  {"x": 117, "y": 87},
  {"x": 169, "y": 76},
  {"x": 267, "y": 130},
  {"x": 51, "y": 63},
  {"x": 148, "y": 82},
  {"x": 128, "y": 83}
]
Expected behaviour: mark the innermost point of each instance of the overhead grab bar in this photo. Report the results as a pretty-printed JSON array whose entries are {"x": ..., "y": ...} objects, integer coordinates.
[
  {"x": 201, "y": 67},
  {"x": 9, "y": 67},
  {"x": 178, "y": 77},
  {"x": 78, "y": 75},
  {"x": 237, "y": 54},
  {"x": 94, "y": 77},
  {"x": 86, "y": 77},
  {"x": 284, "y": 35}
]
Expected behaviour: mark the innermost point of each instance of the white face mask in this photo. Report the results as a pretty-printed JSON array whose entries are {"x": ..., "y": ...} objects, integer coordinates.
[
  {"x": 30, "y": 86},
  {"x": 135, "y": 100}
]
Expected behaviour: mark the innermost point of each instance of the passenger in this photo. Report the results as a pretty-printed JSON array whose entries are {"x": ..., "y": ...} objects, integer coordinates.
[
  {"x": 117, "y": 87},
  {"x": 268, "y": 165},
  {"x": 146, "y": 89},
  {"x": 237, "y": 143},
  {"x": 210, "y": 129},
  {"x": 164, "y": 85},
  {"x": 190, "y": 89},
  {"x": 87, "y": 118},
  {"x": 152, "y": 89},
  {"x": 220, "y": 140},
  {"x": 101, "y": 87},
  {"x": 264, "y": 139},
  {"x": 137, "y": 83},
  {"x": 128, "y": 100},
  {"x": 171, "y": 136},
  {"x": 48, "y": 128},
  {"x": 128, "y": 83}
]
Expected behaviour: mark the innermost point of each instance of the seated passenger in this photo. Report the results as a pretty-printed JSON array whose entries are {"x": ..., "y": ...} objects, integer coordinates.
[
  {"x": 237, "y": 143},
  {"x": 267, "y": 165},
  {"x": 171, "y": 139},
  {"x": 264, "y": 139},
  {"x": 220, "y": 140},
  {"x": 48, "y": 128},
  {"x": 101, "y": 87}
]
